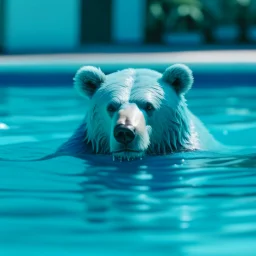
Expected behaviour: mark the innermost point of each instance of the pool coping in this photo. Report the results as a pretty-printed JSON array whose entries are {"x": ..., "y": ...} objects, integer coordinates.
[{"x": 216, "y": 61}]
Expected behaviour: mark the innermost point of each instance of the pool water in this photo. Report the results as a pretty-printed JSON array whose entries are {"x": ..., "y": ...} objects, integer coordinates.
[{"x": 184, "y": 204}]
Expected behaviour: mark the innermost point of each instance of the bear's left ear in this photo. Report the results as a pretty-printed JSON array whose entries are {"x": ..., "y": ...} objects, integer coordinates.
[
  {"x": 88, "y": 79},
  {"x": 180, "y": 77}
]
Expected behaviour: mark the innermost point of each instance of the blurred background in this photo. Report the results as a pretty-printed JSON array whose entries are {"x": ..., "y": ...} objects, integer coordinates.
[{"x": 36, "y": 26}]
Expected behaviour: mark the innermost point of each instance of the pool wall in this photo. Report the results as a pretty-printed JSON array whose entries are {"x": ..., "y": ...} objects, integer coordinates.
[{"x": 211, "y": 69}]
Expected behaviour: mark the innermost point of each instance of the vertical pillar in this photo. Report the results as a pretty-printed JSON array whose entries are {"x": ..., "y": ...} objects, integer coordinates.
[
  {"x": 128, "y": 21},
  {"x": 96, "y": 21},
  {"x": 1, "y": 25}
]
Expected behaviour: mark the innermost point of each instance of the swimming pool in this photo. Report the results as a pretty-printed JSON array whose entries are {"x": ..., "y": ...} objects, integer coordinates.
[{"x": 184, "y": 204}]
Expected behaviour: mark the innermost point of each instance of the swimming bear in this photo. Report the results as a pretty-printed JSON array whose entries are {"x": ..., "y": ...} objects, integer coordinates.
[{"x": 136, "y": 112}]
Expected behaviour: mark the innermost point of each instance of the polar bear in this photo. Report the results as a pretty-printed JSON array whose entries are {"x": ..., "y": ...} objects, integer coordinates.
[{"x": 137, "y": 112}]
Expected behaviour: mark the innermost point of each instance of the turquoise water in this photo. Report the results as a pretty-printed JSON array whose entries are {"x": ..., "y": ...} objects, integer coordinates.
[{"x": 185, "y": 204}]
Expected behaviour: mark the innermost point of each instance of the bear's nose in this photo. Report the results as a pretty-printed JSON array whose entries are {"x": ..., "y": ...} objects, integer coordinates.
[{"x": 124, "y": 133}]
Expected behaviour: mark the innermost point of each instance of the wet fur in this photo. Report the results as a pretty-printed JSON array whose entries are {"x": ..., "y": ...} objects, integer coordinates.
[{"x": 171, "y": 129}]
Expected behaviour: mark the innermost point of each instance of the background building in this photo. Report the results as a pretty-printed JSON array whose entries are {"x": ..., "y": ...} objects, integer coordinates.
[{"x": 69, "y": 25}]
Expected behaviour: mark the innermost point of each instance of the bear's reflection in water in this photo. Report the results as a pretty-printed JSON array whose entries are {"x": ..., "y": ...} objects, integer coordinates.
[
  {"x": 176, "y": 192},
  {"x": 161, "y": 203}
]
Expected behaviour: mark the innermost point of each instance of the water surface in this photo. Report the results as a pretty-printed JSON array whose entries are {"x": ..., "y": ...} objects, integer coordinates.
[{"x": 184, "y": 204}]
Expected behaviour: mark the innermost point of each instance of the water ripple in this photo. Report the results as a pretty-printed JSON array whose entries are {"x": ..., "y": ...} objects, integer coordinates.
[{"x": 182, "y": 204}]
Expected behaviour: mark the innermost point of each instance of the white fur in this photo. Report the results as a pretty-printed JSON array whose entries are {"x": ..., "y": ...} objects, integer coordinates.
[
  {"x": 86, "y": 75},
  {"x": 180, "y": 74},
  {"x": 169, "y": 128}
]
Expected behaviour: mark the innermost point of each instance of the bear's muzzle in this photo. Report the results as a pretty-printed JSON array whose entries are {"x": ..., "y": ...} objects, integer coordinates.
[{"x": 124, "y": 133}]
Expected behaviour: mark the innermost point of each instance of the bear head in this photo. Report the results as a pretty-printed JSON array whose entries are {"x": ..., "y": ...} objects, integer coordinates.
[{"x": 134, "y": 112}]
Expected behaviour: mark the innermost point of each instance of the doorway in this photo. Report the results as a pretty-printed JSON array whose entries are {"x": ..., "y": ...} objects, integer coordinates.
[{"x": 96, "y": 17}]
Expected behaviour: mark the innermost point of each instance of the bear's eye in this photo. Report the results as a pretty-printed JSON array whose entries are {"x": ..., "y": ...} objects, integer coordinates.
[
  {"x": 149, "y": 107},
  {"x": 111, "y": 108}
]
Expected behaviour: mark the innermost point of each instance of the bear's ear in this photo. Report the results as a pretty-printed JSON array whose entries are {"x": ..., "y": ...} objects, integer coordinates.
[
  {"x": 88, "y": 79},
  {"x": 180, "y": 77}
]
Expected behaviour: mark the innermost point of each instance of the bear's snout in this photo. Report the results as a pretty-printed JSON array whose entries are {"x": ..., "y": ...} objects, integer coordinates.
[
  {"x": 124, "y": 133},
  {"x": 129, "y": 137}
]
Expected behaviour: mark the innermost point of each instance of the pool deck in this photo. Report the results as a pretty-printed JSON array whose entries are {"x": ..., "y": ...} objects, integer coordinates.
[{"x": 222, "y": 60}]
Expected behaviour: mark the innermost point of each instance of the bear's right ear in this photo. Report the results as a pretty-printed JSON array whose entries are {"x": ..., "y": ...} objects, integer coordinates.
[{"x": 88, "y": 79}]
